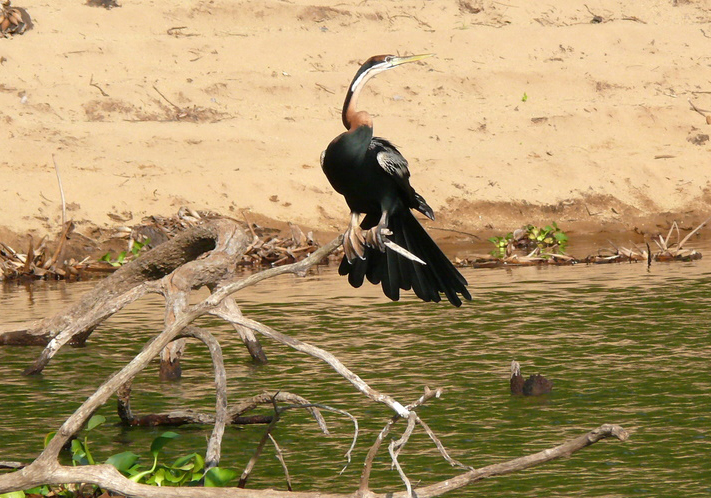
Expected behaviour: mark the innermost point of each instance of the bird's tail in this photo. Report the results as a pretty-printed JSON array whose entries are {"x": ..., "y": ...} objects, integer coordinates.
[{"x": 395, "y": 272}]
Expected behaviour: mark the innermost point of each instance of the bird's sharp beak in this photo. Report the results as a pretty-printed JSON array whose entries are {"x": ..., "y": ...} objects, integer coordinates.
[{"x": 396, "y": 61}]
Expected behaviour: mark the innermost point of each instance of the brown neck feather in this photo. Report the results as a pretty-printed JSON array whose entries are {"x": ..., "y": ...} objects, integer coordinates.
[
  {"x": 353, "y": 118},
  {"x": 359, "y": 118}
]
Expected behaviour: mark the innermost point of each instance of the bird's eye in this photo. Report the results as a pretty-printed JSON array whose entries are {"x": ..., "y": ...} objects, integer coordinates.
[{"x": 389, "y": 58}]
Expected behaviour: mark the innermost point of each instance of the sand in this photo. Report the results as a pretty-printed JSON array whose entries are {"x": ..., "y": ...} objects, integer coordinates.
[{"x": 530, "y": 111}]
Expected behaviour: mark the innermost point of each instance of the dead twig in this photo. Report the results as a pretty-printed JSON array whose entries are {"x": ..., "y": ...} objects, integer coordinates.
[
  {"x": 177, "y": 108},
  {"x": 257, "y": 452},
  {"x": 214, "y": 444},
  {"x": 233, "y": 316},
  {"x": 373, "y": 451},
  {"x": 68, "y": 229},
  {"x": 327, "y": 90},
  {"x": 688, "y": 236},
  {"x": 280, "y": 457},
  {"x": 61, "y": 191},
  {"x": 91, "y": 83}
]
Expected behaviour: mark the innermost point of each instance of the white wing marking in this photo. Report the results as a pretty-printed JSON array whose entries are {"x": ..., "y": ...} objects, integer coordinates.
[{"x": 393, "y": 163}]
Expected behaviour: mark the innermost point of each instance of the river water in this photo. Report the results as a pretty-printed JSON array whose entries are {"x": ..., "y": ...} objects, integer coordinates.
[{"x": 622, "y": 343}]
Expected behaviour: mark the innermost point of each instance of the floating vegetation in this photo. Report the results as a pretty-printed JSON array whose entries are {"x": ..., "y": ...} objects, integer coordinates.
[{"x": 535, "y": 241}]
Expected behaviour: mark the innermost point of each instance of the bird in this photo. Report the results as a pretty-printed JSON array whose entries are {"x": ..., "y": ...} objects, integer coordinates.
[
  {"x": 535, "y": 385},
  {"x": 388, "y": 246}
]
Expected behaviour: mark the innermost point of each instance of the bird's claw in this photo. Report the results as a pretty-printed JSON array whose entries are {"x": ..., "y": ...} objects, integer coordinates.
[
  {"x": 376, "y": 237},
  {"x": 354, "y": 244}
]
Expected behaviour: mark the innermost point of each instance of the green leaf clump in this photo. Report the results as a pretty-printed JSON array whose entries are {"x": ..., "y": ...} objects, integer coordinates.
[
  {"x": 187, "y": 470},
  {"x": 531, "y": 239},
  {"x": 124, "y": 256}
]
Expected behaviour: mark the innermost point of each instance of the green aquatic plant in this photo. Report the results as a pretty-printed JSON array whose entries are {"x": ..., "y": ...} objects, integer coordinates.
[
  {"x": 542, "y": 240},
  {"x": 549, "y": 238},
  {"x": 187, "y": 470},
  {"x": 502, "y": 245},
  {"x": 121, "y": 258}
]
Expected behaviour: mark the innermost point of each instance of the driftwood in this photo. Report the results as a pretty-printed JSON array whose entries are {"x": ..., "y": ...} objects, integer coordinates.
[
  {"x": 207, "y": 255},
  {"x": 269, "y": 247}
]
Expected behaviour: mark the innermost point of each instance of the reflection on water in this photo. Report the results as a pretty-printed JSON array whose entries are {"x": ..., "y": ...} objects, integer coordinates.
[{"x": 622, "y": 344}]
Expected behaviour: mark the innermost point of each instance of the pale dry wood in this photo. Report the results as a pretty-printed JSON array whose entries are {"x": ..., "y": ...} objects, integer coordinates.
[
  {"x": 260, "y": 447},
  {"x": 363, "y": 487},
  {"x": 233, "y": 315},
  {"x": 280, "y": 456},
  {"x": 106, "y": 476},
  {"x": 214, "y": 444},
  {"x": 183, "y": 318},
  {"x": 111, "y": 294}
]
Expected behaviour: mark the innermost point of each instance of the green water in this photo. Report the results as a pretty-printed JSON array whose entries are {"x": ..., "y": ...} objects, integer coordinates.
[{"x": 622, "y": 344}]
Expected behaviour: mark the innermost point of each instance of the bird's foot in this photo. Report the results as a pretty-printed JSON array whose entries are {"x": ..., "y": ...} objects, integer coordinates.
[
  {"x": 376, "y": 237},
  {"x": 354, "y": 243}
]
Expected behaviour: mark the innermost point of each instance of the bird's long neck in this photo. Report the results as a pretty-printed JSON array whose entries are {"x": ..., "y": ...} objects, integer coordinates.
[{"x": 352, "y": 118}]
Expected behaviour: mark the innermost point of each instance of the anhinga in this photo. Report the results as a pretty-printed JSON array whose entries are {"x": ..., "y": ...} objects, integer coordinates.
[{"x": 390, "y": 246}]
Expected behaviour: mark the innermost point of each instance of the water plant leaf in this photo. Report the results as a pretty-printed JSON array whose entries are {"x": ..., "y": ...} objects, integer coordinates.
[
  {"x": 49, "y": 437},
  {"x": 79, "y": 453},
  {"x": 95, "y": 421},
  {"x": 123, "y": 461},
  {"x": 193, "y": 462},
  {"x": 217, "y": 477},
  {"x": 13, "y": 494},
  {"x": 158, "y": 477},
  {"x": 162, "y": 440},
  {"x": 176, "y": 477}
]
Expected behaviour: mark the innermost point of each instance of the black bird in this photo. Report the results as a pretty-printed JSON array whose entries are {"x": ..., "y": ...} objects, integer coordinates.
[
  {"x": 533, "y": 386},
  {"x": 390, "y": 246}
]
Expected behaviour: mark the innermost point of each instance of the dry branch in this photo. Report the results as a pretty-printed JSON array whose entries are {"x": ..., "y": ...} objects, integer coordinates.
[
  {"x": 127, "y": 284},
  {"x": 236, "y": 412},
  {"x": 189, "y": 276},
  {"x": 258, "y": 451},
  {"x": 108, "y": 477}
]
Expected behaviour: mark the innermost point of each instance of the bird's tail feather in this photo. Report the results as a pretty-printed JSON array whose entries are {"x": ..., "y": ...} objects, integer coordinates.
[{"x": 395, "y": 272}]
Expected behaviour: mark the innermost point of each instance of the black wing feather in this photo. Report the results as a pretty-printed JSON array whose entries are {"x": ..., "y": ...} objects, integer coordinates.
[{"x": 395, "y": 165}]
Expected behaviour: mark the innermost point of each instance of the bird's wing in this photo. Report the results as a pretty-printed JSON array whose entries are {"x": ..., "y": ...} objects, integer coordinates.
[
  {"x": 395, "y": 165},
  {"x": 390, "y": 159}
]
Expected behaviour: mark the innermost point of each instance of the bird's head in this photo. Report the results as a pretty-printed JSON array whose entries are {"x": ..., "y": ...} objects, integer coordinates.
[
  {"x": 379, "y": 63},
  {"x": 515, "y": 369}
]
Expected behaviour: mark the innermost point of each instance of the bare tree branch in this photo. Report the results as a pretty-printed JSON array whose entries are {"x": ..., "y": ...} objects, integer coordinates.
[
  {"x": 258, "y": 451},
  {"x": 233, "y": 315},
  {"x": 106, "y": 476},
  {"x": 280, "y": 456},
  {"x": 212, "y": 456}
]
